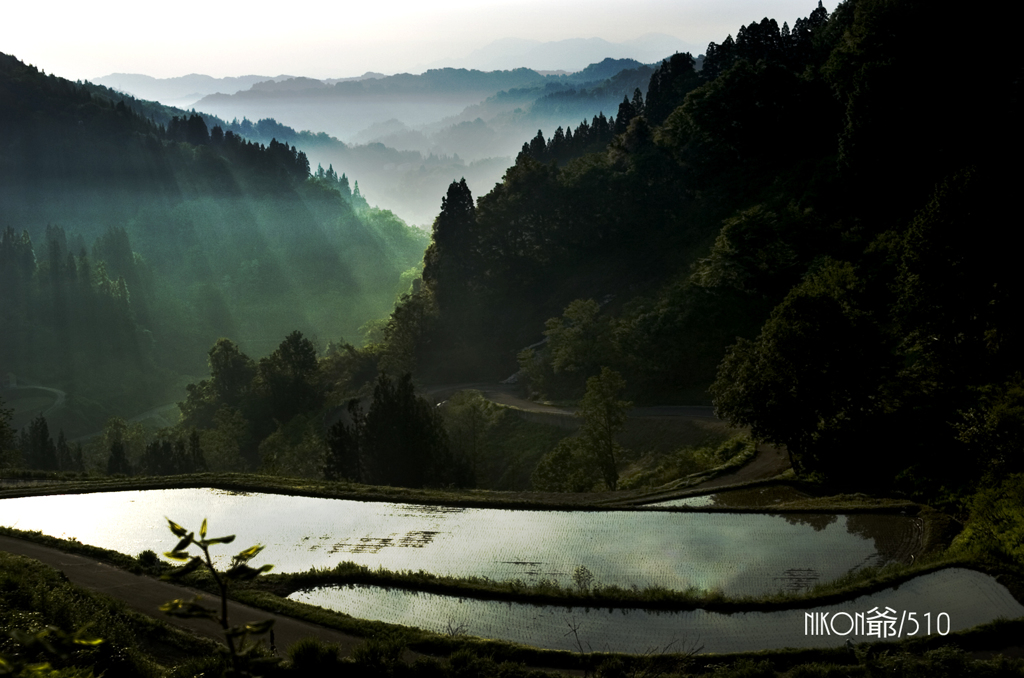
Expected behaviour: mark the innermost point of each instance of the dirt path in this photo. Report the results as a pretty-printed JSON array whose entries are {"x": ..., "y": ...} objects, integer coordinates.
[
  {"x": 769, "y": 462},
  {"x": 59, "y": 397},
  {"x": 145, "y": 594},
  {"x": 507, "y": 394},
  {"x": 166, "y": 414}
]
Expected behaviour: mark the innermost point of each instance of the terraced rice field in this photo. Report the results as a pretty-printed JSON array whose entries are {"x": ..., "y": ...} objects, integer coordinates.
[
  {"x": 952, "y": 599},
  {"x": 736, "y": 553}
]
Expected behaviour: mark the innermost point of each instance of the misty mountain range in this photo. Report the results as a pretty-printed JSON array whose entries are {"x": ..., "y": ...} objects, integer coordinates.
[
  {"x": 405, "y": 166},
  {"x": 570, "y": 55},
  {"x": 406, "y": 137},
  {"x": 183, "y": 91}
]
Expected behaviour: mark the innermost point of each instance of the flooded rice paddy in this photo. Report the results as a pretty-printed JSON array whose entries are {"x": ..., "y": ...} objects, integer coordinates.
[
  {"x": 952, "y": 599},
  {"x": 736, "y": 553}
]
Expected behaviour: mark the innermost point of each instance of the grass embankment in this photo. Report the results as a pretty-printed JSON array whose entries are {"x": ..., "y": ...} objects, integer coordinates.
[
  {"x": 267, "y": 591},
  {"x": 385, "y": 638},
  {"x": 489, "y": 657},
  {"x": 33, "y": 596},
  {"x": 660, "y": 450},
  {"x": 780, "y": 495},
  {"x": 247, "y": 482},
  {"x": 540, "y": 501}
]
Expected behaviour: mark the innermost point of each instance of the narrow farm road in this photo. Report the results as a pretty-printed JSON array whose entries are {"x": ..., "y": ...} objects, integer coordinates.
[
  {"x": 59, "y": 397},
  {"x": 145, "y": 594},
  {"x": 163, "y": 415},
  {"x": 507, "y": 394},
  {"x": 768, "y": 462}
]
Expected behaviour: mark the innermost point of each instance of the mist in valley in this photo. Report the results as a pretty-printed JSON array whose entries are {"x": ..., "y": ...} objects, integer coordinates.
[{"x": 407, "y": 137}]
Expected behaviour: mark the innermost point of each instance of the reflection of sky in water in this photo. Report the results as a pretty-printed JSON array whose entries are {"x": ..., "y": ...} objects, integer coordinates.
[
  {"x": 739, "y": 553},
  {"x": 699, "y": 501},
  {"x": 969, "y": 598},
  {"x": 754, "y": 496}
]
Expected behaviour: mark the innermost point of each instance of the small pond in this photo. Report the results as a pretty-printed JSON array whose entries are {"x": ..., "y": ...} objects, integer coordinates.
[
  {"x": 735, "y": 552},
  {"x": 949, "y": 600}
]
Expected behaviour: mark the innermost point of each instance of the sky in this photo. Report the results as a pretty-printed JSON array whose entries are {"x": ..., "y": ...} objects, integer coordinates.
[{"x": 333, "y": 39}]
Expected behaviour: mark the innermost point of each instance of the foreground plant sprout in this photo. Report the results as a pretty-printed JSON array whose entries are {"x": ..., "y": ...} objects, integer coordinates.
[{"x": 236, "y": 636}]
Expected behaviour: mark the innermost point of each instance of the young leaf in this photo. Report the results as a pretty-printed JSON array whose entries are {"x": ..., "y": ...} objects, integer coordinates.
[
  {"x": 219, "y": 540},
  {"x": 177, "y": 529},
  {"x": 248, "y": 554},
  {"x": 185, "y": 542}
]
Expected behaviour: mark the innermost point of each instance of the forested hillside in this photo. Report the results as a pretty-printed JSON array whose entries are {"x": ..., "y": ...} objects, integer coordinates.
[
  {"x": 814, "y": 192},
  {"x": 807, "y": 231},
  {"x": 128, "y": 247}
]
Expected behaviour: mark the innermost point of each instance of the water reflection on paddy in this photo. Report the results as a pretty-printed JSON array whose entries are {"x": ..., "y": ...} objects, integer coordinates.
[
  {"x": 737, "y": 553},
  {"x": 761, "y": 497},
  {"x": 967, "y": 598}
]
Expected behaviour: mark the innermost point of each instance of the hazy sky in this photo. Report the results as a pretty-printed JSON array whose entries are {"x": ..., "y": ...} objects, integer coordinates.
[{"x": 329, "y": 39}]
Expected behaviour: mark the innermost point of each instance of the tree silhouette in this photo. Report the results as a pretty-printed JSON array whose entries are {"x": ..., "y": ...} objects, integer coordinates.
[{"x": 604, "y": 416}]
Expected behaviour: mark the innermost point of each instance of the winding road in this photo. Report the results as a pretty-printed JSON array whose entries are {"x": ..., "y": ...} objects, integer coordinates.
[
  {"x": 59, "y": 397},
  {"x": 506, "y": 394}
]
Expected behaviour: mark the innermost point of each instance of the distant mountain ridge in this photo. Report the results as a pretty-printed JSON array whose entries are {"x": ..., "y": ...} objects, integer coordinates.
[
  {"x": 347, "y": 107},
  {"x": 186, "y": 89},
  {"x": 406, "y": 136},
  {"x": 508, "y": 54},
  {"x": 572, "y": 55},
  {"x": 603, "y": 70},
  {"x": 433, "y": 82},
  {"x": 182, "y": 89}
]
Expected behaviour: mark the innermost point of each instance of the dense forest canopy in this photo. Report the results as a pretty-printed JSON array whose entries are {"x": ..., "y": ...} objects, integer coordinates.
[{"x": 813, "y": 192}]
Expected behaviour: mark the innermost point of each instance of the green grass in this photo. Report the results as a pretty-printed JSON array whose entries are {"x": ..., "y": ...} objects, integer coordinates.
[
  {"x": 33, "y": 596},
  {"x": 868, "y": 580},
  {"x": 690, "y": 465},
  {"x": 242, "y": 482}
]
